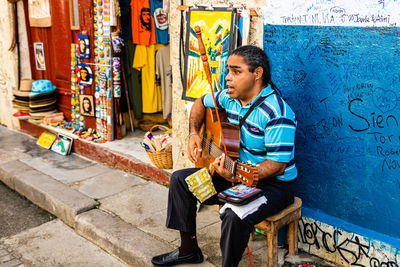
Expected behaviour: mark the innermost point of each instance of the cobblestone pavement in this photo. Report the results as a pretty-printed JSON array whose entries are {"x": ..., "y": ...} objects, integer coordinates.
[{"x": 7, "y": 259}]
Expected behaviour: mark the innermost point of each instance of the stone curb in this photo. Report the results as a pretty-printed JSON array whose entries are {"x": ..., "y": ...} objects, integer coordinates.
[
  {"x": 119, "y": 238},
  {"x": 115, "y": 236},
  {"x": 46, "y": 192}
]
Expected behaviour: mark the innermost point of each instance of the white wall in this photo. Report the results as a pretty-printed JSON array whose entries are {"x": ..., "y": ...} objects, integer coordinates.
[{"x": 9, "y": 65}]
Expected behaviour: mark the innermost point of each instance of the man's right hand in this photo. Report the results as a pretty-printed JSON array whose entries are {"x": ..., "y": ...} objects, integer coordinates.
[{"x": 194, "y": 147}]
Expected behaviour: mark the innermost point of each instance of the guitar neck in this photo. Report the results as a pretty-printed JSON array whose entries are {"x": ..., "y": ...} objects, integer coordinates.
[{"x": 215, "y": 152}]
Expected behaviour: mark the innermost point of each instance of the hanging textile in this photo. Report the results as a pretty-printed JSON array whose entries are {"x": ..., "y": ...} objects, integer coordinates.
[
  {"x": 145, "y": 62},
  {"x": 164, "y": 72},
  {"x": 143, "y": 29}
]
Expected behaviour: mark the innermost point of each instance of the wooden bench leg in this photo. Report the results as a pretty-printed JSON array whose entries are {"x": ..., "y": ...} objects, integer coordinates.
[
  {"x": 253, "y": 234},
  {"x": 292, "y": 237},
  {"x": 272, "y": 239}
]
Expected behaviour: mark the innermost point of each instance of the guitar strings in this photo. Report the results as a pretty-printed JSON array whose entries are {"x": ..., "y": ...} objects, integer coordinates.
[{"x": 215, "y": 151}]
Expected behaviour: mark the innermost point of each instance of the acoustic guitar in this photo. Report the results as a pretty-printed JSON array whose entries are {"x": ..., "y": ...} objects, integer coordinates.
[{"x": 212, "y": 147}]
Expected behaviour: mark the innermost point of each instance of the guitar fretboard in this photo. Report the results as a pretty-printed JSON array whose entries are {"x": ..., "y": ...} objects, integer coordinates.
[{"x": 215, "y": 152}]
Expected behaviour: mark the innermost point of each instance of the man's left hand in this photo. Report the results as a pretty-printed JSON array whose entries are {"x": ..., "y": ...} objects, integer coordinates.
[{"x": 218, "y": 165}]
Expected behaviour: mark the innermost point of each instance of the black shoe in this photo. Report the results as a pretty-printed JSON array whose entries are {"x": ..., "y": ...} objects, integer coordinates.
[{"x": 172, "y": 258}]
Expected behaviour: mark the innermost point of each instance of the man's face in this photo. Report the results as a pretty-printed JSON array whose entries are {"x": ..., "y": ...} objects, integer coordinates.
[
  {"x": 84, "y": 75},
  {"x": 82, "y": 46},
  {"x": 86, "y": 105},
  {"x": 146, "y": 16},
  {"x": 239, "y": 80}
]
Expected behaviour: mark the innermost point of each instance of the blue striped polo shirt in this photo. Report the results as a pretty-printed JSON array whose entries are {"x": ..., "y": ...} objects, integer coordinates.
[{"x": 267, "y": 133}]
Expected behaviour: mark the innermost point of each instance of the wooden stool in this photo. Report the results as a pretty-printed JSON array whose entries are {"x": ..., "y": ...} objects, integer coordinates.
[{"x": 289, "y": 216}]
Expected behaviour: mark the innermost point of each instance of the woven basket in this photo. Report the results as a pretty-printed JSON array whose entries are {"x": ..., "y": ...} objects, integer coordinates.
[
  {"x": 162, "y": 159},
  {"x": 145, "y": 125}
]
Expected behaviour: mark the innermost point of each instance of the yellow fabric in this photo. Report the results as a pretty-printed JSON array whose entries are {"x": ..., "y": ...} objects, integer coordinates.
[
  {"x": 201, "y": 185},
  {"x": 145, "y": 62}
]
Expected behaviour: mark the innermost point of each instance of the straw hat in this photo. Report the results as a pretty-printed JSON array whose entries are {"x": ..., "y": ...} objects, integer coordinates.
[
  {"x": 23, "y": 95},
  {"x": 25, "y": 85}
]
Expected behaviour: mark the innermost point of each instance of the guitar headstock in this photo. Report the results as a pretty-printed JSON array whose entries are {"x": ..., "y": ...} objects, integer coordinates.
[{"x": 247, "y": 173}]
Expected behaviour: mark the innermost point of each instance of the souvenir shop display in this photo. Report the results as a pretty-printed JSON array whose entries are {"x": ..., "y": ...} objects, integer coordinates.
[
  {"x": 97, "y": 70},
  {"x": 105, "y": 12},
  {"x": 78, "y": 121}
]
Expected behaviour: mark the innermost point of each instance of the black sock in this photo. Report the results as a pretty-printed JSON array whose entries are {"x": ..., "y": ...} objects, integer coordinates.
[{"x": 188, "y": 243}]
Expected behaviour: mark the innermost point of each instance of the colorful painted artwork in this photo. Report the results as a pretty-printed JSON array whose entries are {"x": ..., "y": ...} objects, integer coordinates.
[
  {"x": 46, "y": 139},
  {"x": 62, "y": 145},
  {"x": 84, "y": 74},
  {"x": 218, "y": 38},
  {"x": 86, "y": 105},
  {"x": 83, "y": 44},
  {"x": 39, "y": 56}
]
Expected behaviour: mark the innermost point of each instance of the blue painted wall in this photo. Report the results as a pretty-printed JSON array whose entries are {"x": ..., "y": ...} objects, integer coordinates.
[{"x": 344, "y": 85}]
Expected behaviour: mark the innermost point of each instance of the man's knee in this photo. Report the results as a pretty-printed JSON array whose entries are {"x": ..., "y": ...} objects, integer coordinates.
[
  {"x": 177, "y": 178},
  {"x": 229, "y": 216},
  {"x": 230, "y": 219}
]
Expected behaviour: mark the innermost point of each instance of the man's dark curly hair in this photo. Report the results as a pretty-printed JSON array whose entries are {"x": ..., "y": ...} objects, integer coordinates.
[{"x": 255, "y": 57}]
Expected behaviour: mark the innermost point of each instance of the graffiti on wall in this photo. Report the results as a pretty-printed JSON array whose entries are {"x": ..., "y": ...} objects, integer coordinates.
[
  {"x": 333, "y": 13},
  {"x": 343, "y": 247},
  {"x": 343, "y": 84}
]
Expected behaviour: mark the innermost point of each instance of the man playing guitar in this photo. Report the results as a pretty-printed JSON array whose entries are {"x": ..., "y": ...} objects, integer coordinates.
[{"x": 266, "y": 139}]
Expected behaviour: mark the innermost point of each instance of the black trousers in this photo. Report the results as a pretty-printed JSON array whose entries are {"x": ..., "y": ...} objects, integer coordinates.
[{"x": 235, "y": 232}]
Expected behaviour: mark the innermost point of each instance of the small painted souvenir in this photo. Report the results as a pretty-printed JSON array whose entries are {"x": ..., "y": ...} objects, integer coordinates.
[
  {"x": 83, "y": 46},
  {"x": 117, "y": 90},
  {"x": 116, "y": 42},
  {"x": 84, "y": 74},
  {"x": 87, "y": 105}
]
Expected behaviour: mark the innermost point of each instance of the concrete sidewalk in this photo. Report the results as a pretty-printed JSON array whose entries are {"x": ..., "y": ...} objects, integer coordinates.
[{"x": 121, "y": 213}]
